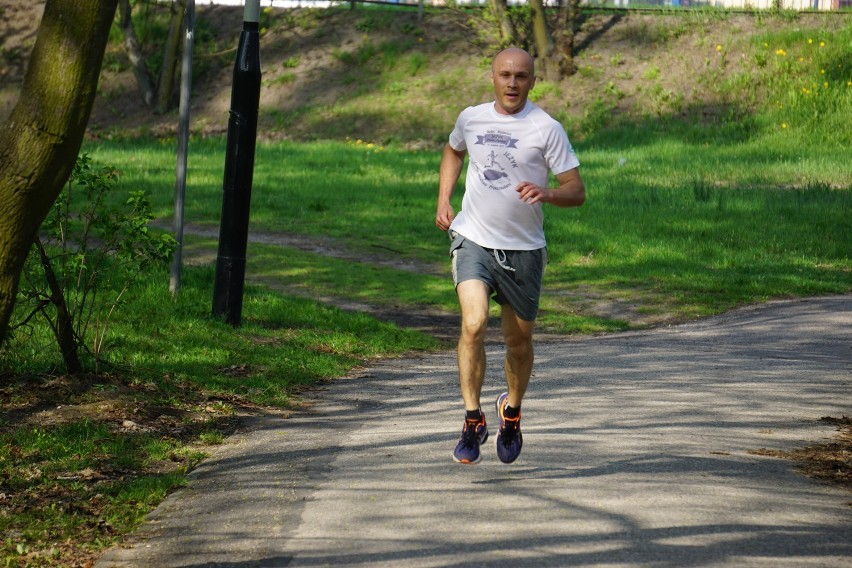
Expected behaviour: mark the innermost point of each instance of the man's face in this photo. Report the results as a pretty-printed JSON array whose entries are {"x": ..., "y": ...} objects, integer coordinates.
[{"x": 513, "y": 77}]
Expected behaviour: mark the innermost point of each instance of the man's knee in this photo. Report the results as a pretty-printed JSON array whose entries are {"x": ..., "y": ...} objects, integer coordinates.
[
  {"x": 473, "y": 299},
  {"x": 519, "y": 347},
  {"x": 517, "y": 334},
  {"x": 473, "y": 328}
]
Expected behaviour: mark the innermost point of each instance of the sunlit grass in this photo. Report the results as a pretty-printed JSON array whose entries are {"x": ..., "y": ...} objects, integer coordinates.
[
  {"x": 690, "y": 220},
  {"x": 283, "y": 342}
]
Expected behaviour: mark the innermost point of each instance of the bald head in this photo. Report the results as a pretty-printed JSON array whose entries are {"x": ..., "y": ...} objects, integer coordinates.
[
  {"x": 515, "y": 56},
  {"x": 513, "y": 75}
]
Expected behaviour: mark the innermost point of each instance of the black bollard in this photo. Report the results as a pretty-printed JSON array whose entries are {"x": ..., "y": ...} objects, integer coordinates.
[{"x": 239, "y": 170}]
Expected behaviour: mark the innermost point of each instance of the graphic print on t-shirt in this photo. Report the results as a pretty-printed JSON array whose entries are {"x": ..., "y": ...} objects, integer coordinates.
[{"x": 493, "y": 173}]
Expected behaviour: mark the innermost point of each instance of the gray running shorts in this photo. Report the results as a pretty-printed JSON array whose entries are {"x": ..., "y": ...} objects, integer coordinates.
[{"x": 514, "y": 276}]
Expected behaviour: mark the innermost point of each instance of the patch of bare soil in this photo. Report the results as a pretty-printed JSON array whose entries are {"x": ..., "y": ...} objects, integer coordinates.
[
  {"x": 52, "y": 400},
  {"x": 830, "y": 462}
]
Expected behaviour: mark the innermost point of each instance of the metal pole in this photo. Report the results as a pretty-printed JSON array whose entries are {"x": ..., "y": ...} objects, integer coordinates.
[
  {"x": 239, "y": 170},
  {"x": 183, "y": 142}
]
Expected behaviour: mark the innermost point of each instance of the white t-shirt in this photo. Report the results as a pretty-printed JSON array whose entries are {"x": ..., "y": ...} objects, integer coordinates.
[{"x": 503, "y": 151}]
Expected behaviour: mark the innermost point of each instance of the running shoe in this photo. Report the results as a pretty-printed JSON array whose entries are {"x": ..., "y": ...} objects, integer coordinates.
[
  {"x": 509, "y": 438},
  {"x": 474, "y": 433}
]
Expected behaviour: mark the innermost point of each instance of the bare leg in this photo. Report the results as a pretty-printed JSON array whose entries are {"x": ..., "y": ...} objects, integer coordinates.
[
  {"x": 519, "y": 354},
  {"x": 473, "y": 299}
]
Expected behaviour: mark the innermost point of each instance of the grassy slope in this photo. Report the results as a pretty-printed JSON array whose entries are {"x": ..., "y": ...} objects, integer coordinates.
[{"x": 383, "y": 76}]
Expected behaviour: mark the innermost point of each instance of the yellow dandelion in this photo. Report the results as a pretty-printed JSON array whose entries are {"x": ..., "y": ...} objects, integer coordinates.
[
  {"x": 849, "y": 83},
  {"x": 822, "y": 44},
  {"x": 801, "y": 58},
  {"x": 718, "y": 47},
  {"x": 765, "y": 44},
  {"x": 780, "y": 52},
  {"x": 822, "y": 71},
  {"x": 825, "y": 84},
  {"x": 810, "y": 41},
  {"x": 783, "y": 125}
]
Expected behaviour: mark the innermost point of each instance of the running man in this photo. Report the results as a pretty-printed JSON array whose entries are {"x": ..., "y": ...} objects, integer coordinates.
[{"x": 497, "y": 239}]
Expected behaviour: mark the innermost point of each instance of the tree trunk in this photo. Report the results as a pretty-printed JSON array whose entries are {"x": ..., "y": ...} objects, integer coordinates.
[
  {"x": 568, "y": 19},
  {"x": 40, "y": 140},
  {"x": 166, "y": 85},
  {"x": 507, "y": 28},
  {"x": 63, "y": 330},
  {"x": 144, "y": 79},
  {"x": 544, "y": 47}
]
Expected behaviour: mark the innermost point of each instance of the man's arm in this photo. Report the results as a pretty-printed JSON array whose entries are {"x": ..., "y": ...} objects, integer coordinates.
[
  {"x": 451, "y": 167},
  {"x": 570, "y": 193}
]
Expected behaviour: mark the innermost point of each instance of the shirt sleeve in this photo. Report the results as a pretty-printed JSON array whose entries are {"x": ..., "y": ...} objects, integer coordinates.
[
  {"x": 559, "y": 154},
  {"x": 457, "y": 141}
]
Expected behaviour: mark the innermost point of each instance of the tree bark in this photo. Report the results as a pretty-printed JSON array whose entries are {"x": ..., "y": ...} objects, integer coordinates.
[
  {"x": 166, "y": 85},
  {"x": 507, "y": 28},
  {"x": 40, "y": 140},
  {"x": 144, "y": 79},
  {"x": 544, "y": 46},
  {"x": 569, "y": 15}
]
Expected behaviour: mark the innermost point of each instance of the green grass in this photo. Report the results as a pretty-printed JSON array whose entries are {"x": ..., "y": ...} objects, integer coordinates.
[
  {"x": 77, "y": 468},
  {"x": 283, "y": 343},
  {"x": 679, "y": 217}
]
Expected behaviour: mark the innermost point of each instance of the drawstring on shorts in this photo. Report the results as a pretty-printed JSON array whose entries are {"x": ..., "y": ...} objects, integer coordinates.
[{"x": 500, "y": 257}]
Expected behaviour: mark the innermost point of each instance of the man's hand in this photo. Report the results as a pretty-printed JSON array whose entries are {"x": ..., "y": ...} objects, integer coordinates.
[
  {"x": 530, "y": 192},
  {"x": 570, "y": 193},
  {"x": 444, "y": 217}
]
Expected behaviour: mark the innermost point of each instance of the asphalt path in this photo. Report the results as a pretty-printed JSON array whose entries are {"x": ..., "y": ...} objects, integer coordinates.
[{"x": 637, "y": 452}]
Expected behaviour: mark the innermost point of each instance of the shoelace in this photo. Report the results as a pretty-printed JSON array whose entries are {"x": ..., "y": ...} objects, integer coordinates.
[
  {"x": 510, "y": 429},
  {"x": 469, "y": 434}
]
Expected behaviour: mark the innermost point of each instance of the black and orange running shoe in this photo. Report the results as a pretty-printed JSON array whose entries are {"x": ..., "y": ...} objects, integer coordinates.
[
  {"x": 509, "y": 439},
  {"x": 474, "y": 434}
]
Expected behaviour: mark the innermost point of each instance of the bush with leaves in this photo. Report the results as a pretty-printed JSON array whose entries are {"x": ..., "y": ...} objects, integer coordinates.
[{"x": 85, "y": 258}]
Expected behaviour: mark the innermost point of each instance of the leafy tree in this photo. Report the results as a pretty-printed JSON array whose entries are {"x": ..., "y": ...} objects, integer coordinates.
[
  {"x": 547, "y": 33},
  {"x": 41, "y": 138},
  {"x": 553, "y": 38},
  {"x": 85, "y": 258},
  {"x": 567, "y": 21},
  {"x": 157, "y": 94}
]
